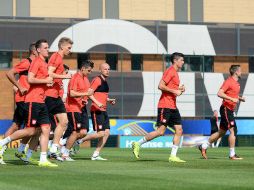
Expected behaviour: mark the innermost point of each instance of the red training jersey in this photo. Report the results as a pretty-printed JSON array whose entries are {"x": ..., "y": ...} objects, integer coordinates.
[
  {"x": 172, "y": 81},
  {"x": 36, "y": 92},
  {"x": 56, "y": 61},
  {"x": 101, "y": 89},
  {"x": 231, "y": 88},
  {"x": 77, "y": 83},
  {"x": 22, "y": 69}
]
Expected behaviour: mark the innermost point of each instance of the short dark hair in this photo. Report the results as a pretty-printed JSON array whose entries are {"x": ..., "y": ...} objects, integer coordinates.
[
  {"x": 39, "y": 42},
  {"x": 86, "y": 64},
  {"x": 31, "y": 48},
  {"x": 66, "y": 67},
  {"x": 176, "y": 55},
  {"x": 233, "y": 69}
]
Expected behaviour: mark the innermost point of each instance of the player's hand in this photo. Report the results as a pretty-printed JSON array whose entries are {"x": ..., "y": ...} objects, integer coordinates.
[
  {"x": 68, "y": 76},
  {"x": 242, "y": 99},
  {"x": 182, "y": 88},
  {"x": 100, "y": 105},
  {"x": 112, "y": 101},
  {"x": 23, "y": 90},
  {"x": 235, "y": 100},
  {"x": 178, "y": 92},
  {"x": 49, "y": 81}
]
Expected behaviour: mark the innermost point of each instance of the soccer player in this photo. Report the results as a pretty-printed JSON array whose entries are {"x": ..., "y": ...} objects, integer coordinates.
[
  {"x": 21, "y": 87},
  {"x": 215, "y": 127},
  {"x": 36, "y": 111},
  {"x": 168, "y": 114},
  {"x": 77, "y": 97},
  {"x": 98, "y": 110},
  {"x": 53, "y": 100},
  {"x": 229, "y": 92}
]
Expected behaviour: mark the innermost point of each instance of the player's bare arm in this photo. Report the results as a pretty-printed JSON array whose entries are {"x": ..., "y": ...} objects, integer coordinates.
[
  {"x": 33, "y": 80},
  {"x": 162, "y": 86},
  {"x": 222, "y": 95},
  {"x": 51, "y": 71}
]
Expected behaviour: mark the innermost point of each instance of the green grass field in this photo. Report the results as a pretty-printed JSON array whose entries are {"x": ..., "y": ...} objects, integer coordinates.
[{"x": 122, "y": 171}]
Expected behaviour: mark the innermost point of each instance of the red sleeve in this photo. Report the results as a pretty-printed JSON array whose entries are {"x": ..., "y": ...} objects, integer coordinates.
[
  {"x": 34, "y": 67},
  {"x": 167, "y": 76},
  {"x": 73, "y": 84},
  {"x": 22, "y": 66},
  {"x": 55, "y": 60},
  {"x": 95, "y": 83},
  {"x": 225, "y": 85}
]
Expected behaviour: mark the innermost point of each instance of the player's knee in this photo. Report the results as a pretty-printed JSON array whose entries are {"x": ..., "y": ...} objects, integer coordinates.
[
  {"x": 161, "y": 133},
  {"x": 179, "y": 131},
  {"x": 82, "y": 133},
  {"x": 107, "y": 133}
]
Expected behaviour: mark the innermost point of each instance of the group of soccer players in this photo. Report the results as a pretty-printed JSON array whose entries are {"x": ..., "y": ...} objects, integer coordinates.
[
  {"x": 40, "y": 107},
  {"x": 39, "y": 92}
]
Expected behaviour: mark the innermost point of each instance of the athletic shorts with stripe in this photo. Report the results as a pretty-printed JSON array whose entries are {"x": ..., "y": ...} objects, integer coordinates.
[
  {"x": 168, "y": 117},
  {"x": 36, "y": 114},
  {"x": 18, "y": 116},
  {"x": 55, "y": 105},
  {"x": 227, "y": 118},
  {"x": 100, "y": 120},
  {"x": 77, "y": 121}
]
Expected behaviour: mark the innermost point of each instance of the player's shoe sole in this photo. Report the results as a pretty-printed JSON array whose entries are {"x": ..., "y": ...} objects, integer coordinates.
[
  {"x": 175, "y": 159},
  {"x": 203, "y": 152},
  {"x": 135, "y": 149},
  {"x": 98, "y": 158}
]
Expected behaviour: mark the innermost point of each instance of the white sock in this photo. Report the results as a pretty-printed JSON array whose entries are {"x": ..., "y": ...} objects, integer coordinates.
[
  {"x": 63, "y": 141},
  {"x": 80, "y": 141},
  {"x": 66, "y": 152},
  {"x": 50, "y": 143},
  {"x": 43, "y": 157},
  {"x": 5, "y": 141},
  {"x": 174, "y": 150},
  {"x": 21, "y": 148},
  {"x": 29, "y": 153},
  {"x": 96, "y": 153},
  {"x": 63, "y": 148},
  {"x": 205, "y": 145},
  {"x": 54, "y": 148},
  {"x": 142, "y": 141},
  {"x": 231, "y": 152}
]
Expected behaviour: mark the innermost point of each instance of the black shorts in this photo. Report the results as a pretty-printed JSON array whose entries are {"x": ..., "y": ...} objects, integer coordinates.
[
  {"x": 77, "y": 121},
  {"x": 168, "y": 117},
  {"x": 18, "y": 116},
  {"x": 100, "y": 120},
  {"x": 53, "y": 121},
  {"x": 36, "y": 114},
  {"x": 227, "y": 118},
  {"x": 55, "y": 105}
]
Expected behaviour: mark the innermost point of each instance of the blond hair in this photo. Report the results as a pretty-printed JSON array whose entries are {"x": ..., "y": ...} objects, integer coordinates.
[{"x": 64, "y": 40}]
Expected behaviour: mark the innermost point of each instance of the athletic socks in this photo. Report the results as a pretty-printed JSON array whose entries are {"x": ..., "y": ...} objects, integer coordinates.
[
  {"x": 231, "y": 152},
  {"x": 142, "y": 141},
  {"x": 174, "y": 150},
  {"x": 43, "y": 157},
  {"x": 96, "y": 153},
  {"x": 21, "y": 148},
  {"x": 205, "y": 145},
  {"x": 5, "y": 141},
  {"x": 54, "y": 148},
  {"x": 29, "y": 153},
  {"x": 63, "y": 141}
]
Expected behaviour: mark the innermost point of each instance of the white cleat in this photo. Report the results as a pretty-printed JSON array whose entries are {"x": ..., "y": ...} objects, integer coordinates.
[
  {"x": 98, "y": 158},
  {"x": 68, "y": 159}
]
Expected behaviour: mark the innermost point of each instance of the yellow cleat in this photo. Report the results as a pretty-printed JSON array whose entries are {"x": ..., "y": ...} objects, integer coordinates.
[
  {"x": 47, "y": 164},
  {"x": 135, "y": 149},
  {"x": 175, "y": 159}
]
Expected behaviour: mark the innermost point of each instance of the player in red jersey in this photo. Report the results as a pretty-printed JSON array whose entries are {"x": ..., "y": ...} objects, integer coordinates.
[
  {"x": 21, "y": 87},
  {"x": 229, "y": 92},
  {"x": 98, "y": 110},
  {"x": 53, "y": 99},
  {"x": 168, "y": 114},
  {"x": 77, "y": 97},
  {"x": 36, "y": 111}
]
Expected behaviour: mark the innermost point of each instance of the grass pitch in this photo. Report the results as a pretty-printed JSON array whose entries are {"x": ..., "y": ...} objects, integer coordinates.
[{"x": 122, "y": 171}]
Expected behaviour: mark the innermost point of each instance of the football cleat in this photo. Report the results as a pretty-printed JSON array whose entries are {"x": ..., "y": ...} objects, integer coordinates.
[
  {"x": 175, "y": 159},
  {"x": 98, "y": 158},
  {"x": 235, "y": 157},
  {"x": 135, "y": 149}
]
